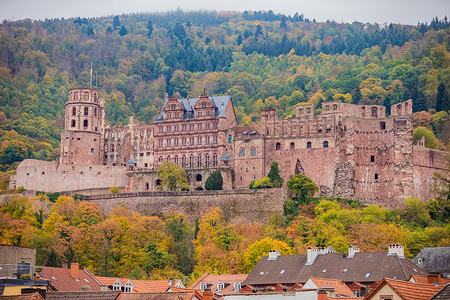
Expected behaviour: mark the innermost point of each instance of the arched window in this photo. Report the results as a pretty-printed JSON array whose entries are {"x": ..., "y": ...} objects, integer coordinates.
[
  {"x": 112, "y": 147},
  {"x": 198, "y": 177},
  {"x": 191, "y": 161},
  {"x": 183, "y": 161},
  {"x": 215, "y": 159},
  {"x": 325, "y": 144},
  {"x": 207, "y": 160},
  {"x": 199, "y": 160},
  {"x": 73, "y": 123},
  {"x": 334, "y": 106},
  {"x": 327, "y": 108},
  {"x": 292, "y": 146},
  {"x": 220, "y": 286},
  {"x": 160, "y": 159},
  {"x": 147, "y": 186},
  {"x": 175, "y": 159},
  {"x": 168, "y": 158},
  {"x": 374, "y": 112},
  {"x": 252, "y": 151},
  {"x": 236, "y": 286},
  {"x": 278, "y": 146},
  {"x": 203, "y": 286},
  {"x": 92, "y": 150},
  {"x": 241, "y": 151},
  {"x": 158, "y": 182},
  {"x": 74, "y": 111},
  {"x": 308, "y": 145},
  {"x": 363, "y": 112}
]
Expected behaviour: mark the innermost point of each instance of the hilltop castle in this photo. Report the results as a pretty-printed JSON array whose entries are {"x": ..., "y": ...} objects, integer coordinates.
[{"x": 351, "y": 151}]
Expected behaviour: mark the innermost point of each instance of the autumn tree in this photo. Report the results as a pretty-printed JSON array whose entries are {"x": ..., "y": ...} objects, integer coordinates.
[
  {"x": 430, "y": 139},
  {"x": 260, "y": 248},
  {"x": 172, "y": 177}
]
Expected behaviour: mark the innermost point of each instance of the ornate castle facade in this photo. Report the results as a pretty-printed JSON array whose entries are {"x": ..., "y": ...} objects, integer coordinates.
[{"x": 351, "y": 151}]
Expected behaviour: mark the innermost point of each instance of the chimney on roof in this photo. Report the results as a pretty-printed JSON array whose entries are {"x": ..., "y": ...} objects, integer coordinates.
[
  {"x": 207, "y": 294},
  {"x": 74, "y": 270},
  {"x": 396, "y": 249},
  {"x": 312, "y": 253},
  {"x": 322, "y": 295},
  {"x": 171, "y": 282},
  {"x": 273, "y": 255},
  {"x": 352, "y": 250}
]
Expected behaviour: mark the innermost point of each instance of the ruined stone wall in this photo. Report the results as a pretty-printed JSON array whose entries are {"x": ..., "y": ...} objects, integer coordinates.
[
  {"x": 54, "y": 177},
  {"x": 237, "y": 205},
  {"x": 425, "y": 163}
]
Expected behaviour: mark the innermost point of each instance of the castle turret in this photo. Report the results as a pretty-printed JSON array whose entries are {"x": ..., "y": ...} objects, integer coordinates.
[{"x": 82, "y": 137}]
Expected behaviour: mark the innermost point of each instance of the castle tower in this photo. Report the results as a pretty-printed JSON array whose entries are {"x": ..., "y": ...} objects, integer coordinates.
[{"x": 82, "y": 139}]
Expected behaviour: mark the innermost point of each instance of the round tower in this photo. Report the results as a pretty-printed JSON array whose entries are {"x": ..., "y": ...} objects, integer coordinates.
[{"x": 82, "y": 137}]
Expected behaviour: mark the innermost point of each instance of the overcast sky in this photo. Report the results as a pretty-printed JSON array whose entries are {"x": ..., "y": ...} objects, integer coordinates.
[{"x": 374, "y": 11}]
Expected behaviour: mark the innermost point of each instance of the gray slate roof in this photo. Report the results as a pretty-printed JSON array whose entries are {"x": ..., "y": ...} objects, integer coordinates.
[
  {"x": 443, "y": 294},
  {"x": 363, "y": 267},
  {"x": 435, "y": 259},
  {"x": 220, "y": 102}
]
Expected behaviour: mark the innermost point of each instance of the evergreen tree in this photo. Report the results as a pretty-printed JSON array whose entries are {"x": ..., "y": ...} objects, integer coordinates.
[
  {"x": 123, "y": 31},
  {"x": 214, "y": 182},
  {"x": 274, "y": 175},
  {"x": 116, "y": 22},
  {"x": 109, "y": 29},
  {"x": 90, "y": 31},
  {"x": 150, "y": 28},
  {"x": 442, "y": 100},
  {"x": 419, "y": 100},
  {"x": 283, "y": 23},
  {"x": 239, "y": 39}
]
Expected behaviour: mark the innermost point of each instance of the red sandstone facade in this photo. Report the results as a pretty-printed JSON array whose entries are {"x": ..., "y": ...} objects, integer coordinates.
[{"x": 351, "y": 151}]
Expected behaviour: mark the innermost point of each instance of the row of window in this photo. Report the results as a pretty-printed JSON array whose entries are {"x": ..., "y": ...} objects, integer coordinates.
[
  {"x": 86, "y": 111},
  {"x": 220, "y": 286},
  {"x": 252, "y": 151},
  {"x": 73, "y": 124},
  {"x": 292, "y": 145},
  {"x": 184, "y": 141},
  {"x": 184, "y": 128},
  {"x": 191, "y": 161}
]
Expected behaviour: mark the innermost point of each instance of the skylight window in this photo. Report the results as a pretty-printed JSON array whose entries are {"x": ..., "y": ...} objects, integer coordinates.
[
  {"x": 86, "y": 280},
  {"x": 367, "y": 275},
  {"x": 53, "y": 278},
  {"x": 324, "y": 270},
  {"x": 282, "y": 271},
  {"x": 261, "y": 273}
]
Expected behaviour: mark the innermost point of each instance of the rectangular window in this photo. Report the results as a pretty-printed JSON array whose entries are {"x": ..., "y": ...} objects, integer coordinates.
[
  {"x": 199, "y": 114},
  {"x": 191, "y": 127},
  {"x": 229, "y": 139},
  {"x": 215, "y": 126},
  {"x": 175, "y": 142},
  {"x": 161, "y": 129},
  {"x": 183, "y": 141},
  {"x": 168, "y": 142},
  {"x": 372, "y": 158},
  {"x": 207, "y": 126},
  {"x": 176, "y": 129},
  {"x": 169, "y": 128},
  {"x": 191, "y": 141},
  {"x": 85, "y": 123},
  {"x": 214, "y": 139},
  {"x": 199, "y": 127},
  {"x": 160, "y": 143},
  {"x": 199, "y": 140},
  {"x": 376, "y": 176},
  {"x": 183, "y": 128},
  {"x": 86, "y": 111}
]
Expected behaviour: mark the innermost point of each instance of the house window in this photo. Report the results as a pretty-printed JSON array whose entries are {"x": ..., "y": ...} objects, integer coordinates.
[
  {"x": 277, "y": 146},
  {"x": 85, "y": 123},
  {"x": 86, "y": 111},
  {"x": 374, "y": 112},
  {"x": 199, "y": 140},
  {"x": 207, "y": 160},
  {"x": 160, "y": 159},
  {"x": 183, "y": 128},
  {"x": 376, "y": 176},
  {"x": 203, "y": 286},
  {"x": 236, "y": 286},
  {"x": 325, "y": 144},
  {"x": 220, "y": 286},
  {"x": 199, "y": 160},
  {"x": 334, "y": 106},
  {"x": 308, "y": 145},
  {"x": 385, "y": 297},
  {"x": 372, "y": 158},
  {"x": 183, "y": 161},
  {"x": 356, "y": 293},
  {"x": 252, "y": 151},
  {"x": 214, "y": 159},
  {"x": 175, "y": 159},
  {"x": 207, "y": 140},
  {"x": 292, "y": 146},
  {"x": 169, "y": 142},
  {"x": 169, "y": 128},
  {"x": 147, "y": 186},
  {"x": 191, "y": 127},
  {"x": 191, "y": 161},
  {"x": 214, "y": 139},
  {"x": 199, "y": 127},
  {"x": 168, "y": 158},
  {"x": 241, "y": 151},
  {"x": 191, "y": 141},
  {"x": 161, "y": 129},
  {"x": 382, "y": 125},
  {"x": 183, "y": 141}
]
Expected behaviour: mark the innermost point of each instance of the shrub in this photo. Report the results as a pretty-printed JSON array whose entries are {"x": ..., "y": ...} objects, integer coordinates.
[
  {"x": 214, "y": 182},
  {"x": 114, "y": 189}
]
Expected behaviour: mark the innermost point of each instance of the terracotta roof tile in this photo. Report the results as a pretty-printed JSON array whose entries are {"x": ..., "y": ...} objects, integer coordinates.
[
  {"x": 62, "y": 280},
  {"x": 157, "y": 296},
  {"x": 339, "y": 286},
  {"x": 34, "y": 296},
  {"x": 424, "y": 279},
  {"x": 407, "y": 290},
  {"x": 212, "y": 280}
]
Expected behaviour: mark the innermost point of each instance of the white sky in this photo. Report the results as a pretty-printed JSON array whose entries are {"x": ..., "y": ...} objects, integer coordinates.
[{"x": 372, "y": 11}]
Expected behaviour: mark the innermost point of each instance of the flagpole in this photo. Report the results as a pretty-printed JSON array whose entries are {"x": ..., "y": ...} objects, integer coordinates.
[{"x": 90, "y": 85}]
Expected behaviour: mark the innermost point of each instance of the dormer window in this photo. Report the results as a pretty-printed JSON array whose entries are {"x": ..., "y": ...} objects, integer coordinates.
[
  {"x": 420, "y": 261},
  {"x": 117, "y": 286},
  {"x": 236, "y": 286},
  {"x": 220, "y": 286},
  {"x": 203, "y": 286}
]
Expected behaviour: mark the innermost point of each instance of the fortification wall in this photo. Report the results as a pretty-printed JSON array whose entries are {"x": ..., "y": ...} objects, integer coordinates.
[
  {"x": 237, "y": 205},
  {"x": 53, "y": 177}
]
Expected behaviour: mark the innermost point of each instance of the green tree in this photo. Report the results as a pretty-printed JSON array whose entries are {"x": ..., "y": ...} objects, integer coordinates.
[
  {"x": 263, "y": 183},
  {"x": 416, "y": 212},
  {"x": 430, "y": 139},
  {"x": 172, "y": 176},
  {"x": 442, "y": 99},
  {"x": 440, "y": 207},
  {"x": 123, "y": 31},
  {"x": 116, "y": 22},
  {"x": 274, "y": 175},
  {"x": 150, "y": 28},
  {"x": 302, "y": 187},
  {"x": 214, "y": 182}
]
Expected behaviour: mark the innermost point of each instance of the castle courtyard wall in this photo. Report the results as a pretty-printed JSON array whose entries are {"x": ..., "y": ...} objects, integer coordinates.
[
  {"x": 53, "y": 177},
  {"x": 237, "y": 205}
]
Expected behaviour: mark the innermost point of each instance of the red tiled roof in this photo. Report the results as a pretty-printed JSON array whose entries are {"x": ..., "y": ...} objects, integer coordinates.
[
  {"x": 105, "y": 295},
  {"x": 212, "y": 280},
  {"x": 407, "y": 290},
  {"x": 62, "y": 280},
  {"x": 139, "y": 285},
  {"x": 340, "y": 288},
  {"x": 424, "y": 279},
  {"x": 34, "y": 296},
  {"x": 158, "y": 296}
]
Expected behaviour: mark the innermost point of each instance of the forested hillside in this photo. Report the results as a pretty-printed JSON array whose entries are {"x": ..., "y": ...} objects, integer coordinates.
[{"x": 263, "y": 59}]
